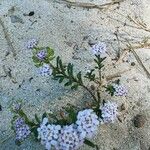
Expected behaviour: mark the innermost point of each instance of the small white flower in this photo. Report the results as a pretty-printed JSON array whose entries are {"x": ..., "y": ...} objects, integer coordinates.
[
  {"x": 120, "y": 90},
  {"x": 109, "y": 112},
  {"x": 49, "y": 134},
  {"x": 45, "y": 70},
  {"x": 87, "y": 123},
  {"x": 32, "y": 43},
  {"x": 99, "y": 49},
  {"x": 69, "y": 138}
]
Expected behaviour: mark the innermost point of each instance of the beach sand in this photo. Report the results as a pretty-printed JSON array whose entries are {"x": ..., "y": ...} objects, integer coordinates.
[{"x": 69, "y": 31}]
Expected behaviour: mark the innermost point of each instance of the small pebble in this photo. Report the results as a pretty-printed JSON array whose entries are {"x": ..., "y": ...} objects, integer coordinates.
[
  {"x": 31, "y": 13},
  {"x": 133, "y": 64},
  {"x": 92, "y": 87},
  {"x": 139, "y": 121},
  {"x": 123, "y": 107}
]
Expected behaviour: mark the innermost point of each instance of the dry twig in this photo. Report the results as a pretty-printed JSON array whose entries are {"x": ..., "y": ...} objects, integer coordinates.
[
  {"x": 90, "y": 5},
  {"x": 138, "y": 59},
  {"x": 11, "y": 48}
]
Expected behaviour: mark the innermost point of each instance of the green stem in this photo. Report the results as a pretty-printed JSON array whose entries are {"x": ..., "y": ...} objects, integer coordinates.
[{"x": 75, "y": 80}]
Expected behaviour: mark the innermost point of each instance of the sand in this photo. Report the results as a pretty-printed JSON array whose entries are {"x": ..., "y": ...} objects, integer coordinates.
[{"x": 69, "y": 31}]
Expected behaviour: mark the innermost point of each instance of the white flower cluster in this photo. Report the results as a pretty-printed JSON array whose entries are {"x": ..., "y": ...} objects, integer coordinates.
[
  {"x": 32, "y": 43},
  {"x": 87, "y": 123},
  {"x": 120, "y": 90},
  {"x": 99, "y": 49},
  {"x": 49, "y": 134},
  {"x": 45, "y": 70},
  {"x": 109, "y": 112},
  {"x": 69, "y": 138}
]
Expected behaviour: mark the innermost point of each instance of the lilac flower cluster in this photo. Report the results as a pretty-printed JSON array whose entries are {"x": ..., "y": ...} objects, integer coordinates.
[
  {"x": 109, "y": 112},
  {"x": 87, "y": 123},
  {"x": 49, "y": 134},
  {"x": 41, "y": 55},
  {"x": 120, "y": 90},
  {"x": 32, "y": 43},
  {"x": 69, "y": 138},
  {"x": 45, "y": 70},
  {"x": 99, "y": 49},
  {"x": 16, "y": 107},
  {"x": 22, "y": 130}
]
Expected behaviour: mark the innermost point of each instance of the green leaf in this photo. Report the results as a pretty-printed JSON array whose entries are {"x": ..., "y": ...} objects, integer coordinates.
[
  {"x": 90, "y": 75},
  {"x": 37, "y": 118},
  {"x": 35, "y": 59},
  {"x": 75, "y": 86},
  {"x": 70, "y": 69},
  {"x": 44, "y": 115},
  {"x": 72, "y": 114},
  {"x": 79, "y": 76},
  {"x": 110, "y": 89},
  {"x": 62, "y": 122},
  {"x": 91, "y": 144},
  {"x": 50, "y": 51},
  {"x": 23, "y": 115},
  {"x": 18, "y": 143},
  {"x": 61, "y": 79},
  {"x": 34, "y": 131},
  {"x": 68, "y": 83}
]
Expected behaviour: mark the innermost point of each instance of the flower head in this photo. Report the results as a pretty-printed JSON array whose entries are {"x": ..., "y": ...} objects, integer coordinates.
[
  {"x": 16, "y": 106},
  {"x": 19, "y": 122},
  {"x": 99, "y": 49},
  {"x": 22, "y": 130},
  {"x": 32, "y": 43},
  {"x": 109, "y": 112},
  {"x": 49, "y": 133},
  {"x": 69, "y": 138},
  {"x": 42, "y": 54},
  {"x": 120, "y": 90},
  {"x": 87, "y": 123},
  {"x": 45, "y": 70}
]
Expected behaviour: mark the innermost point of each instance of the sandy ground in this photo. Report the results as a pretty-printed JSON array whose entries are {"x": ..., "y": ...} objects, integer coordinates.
[{"x": 69, "y": 31}]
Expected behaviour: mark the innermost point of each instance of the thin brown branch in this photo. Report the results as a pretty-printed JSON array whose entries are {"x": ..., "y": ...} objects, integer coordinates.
[{"x": 89, "y": 5}]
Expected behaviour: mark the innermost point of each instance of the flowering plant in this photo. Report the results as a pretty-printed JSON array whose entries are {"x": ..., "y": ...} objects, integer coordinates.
[{"x": 70, "y": 131}]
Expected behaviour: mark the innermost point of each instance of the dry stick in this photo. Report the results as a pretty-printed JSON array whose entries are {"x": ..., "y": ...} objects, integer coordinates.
[
  {"x": 139, "y": 24},
  {"x": 144, "y": 45},
  {"x": 116, "y": 75},
  {"x": 90, "y": 5},
  {"x": 8, "y": 73},
  {"x": 138, "y": 59},
  {"x": 8, "y": 38}
]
